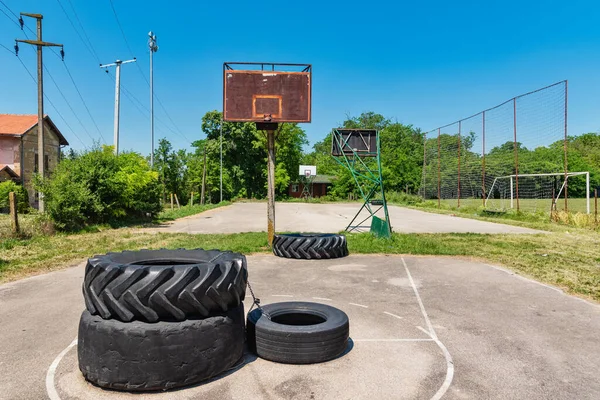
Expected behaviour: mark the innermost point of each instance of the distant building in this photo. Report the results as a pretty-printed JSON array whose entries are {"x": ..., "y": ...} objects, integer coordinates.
[
  {"x": 320, "y": 186},
  {"x": 19, "y": 149}
]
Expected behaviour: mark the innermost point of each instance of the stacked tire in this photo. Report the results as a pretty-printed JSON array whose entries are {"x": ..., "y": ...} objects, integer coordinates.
[{"x": 161, "y": 319}]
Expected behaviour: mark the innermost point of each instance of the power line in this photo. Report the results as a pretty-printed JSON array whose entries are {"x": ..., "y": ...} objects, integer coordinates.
[
  {"x": 179, "y": 131},
  {"x": 51, "y": 103},
  {"x": 143, "y": 109},
  {"x": 69, "y": 104},
  {"x": 8, "y": 8},
  {"x": 83, "y": 101},
  {"x": 31, "y": 75},
  {"x": 9, "y": 17},
  {"x": 7, "y": 49},
  {"x": 75, "y": 29},
  {"x": 84, "y": 32},
  {"x": 67, "y": 101},
  {"x": 120, "y": 27}
]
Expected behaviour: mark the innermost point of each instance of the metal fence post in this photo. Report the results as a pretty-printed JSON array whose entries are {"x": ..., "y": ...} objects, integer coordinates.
[
  {"x": 439, "y": 172},
  {"x": 516, "y": 150},
  {"x": 458, "y": 191},
  {"x": 565, "y": 149},
  {"x": 483, "y": 159}
]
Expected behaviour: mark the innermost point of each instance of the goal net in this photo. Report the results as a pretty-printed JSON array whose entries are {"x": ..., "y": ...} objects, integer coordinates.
[{"x": 538, "y": 192}]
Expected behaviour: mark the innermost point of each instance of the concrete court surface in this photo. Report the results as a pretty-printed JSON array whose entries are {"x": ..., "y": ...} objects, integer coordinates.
[
  {"x": 331, "y": 217},
  {"x": 421, "y": 328}
]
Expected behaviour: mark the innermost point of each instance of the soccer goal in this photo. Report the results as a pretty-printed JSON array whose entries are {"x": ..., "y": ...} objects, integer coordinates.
[{"x": 539, "y": 191}]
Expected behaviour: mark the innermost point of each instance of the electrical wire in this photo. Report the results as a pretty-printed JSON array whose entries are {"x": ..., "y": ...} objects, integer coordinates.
[
  {"x": 75, "y": 29},
  {"x": 35, "y": 81},
  {"x": 83, "y": 102},
  {"x": 84, "y": 32},
  {"x": 177, "y": 131},
  {"x": 10, "y": 18},
  {"x": 52, "y": 104}
]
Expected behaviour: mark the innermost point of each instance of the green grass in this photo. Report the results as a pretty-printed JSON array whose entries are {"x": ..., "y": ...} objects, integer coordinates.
[
  {"x": 525, "y": 205},
  {"x": 567, "y": 260}
]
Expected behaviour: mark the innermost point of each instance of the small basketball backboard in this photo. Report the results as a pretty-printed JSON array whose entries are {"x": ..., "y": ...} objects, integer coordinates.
[
  {"x": 361, "y": 142},
  {"x": 308, "y": 170},
  {"x": 266, "y": 92}
]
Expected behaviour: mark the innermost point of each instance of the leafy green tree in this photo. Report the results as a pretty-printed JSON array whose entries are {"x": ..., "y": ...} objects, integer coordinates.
[
  {"x": 99, "y": 187},
  {"x": 20, "y": 193}
]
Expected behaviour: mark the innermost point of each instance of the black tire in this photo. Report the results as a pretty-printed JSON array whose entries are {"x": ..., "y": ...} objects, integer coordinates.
[
  {"x": 310, "y": 246},
  {"x": 297, "y": 332},
  {"x": 139, "y": 356},
  {"x": 164, "y": 285}
]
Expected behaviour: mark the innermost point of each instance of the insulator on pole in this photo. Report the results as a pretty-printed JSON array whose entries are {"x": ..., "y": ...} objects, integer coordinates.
[
  {"x": 17, "y": 49},
  {"x": 62, "y": 53}
]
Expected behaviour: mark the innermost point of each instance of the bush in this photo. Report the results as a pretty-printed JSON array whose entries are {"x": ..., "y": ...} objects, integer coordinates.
[
  {"x": 20, "y": 191},
  {"x": 98, "y": 187}
]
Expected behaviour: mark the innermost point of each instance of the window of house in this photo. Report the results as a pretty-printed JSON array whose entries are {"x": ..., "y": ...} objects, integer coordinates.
[
  {"x": 35, "y": 163},
  {"x": 7, "y": 154},
  {"x": 295, "y": 189},
  {"x": 46, "y": 163}
]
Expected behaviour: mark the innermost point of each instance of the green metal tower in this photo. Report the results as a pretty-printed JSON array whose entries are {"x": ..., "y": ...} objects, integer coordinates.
[{"x": 359, "y": 151}]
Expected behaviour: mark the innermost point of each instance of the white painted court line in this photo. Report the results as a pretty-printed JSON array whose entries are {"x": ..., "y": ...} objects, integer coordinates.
[
  {"x": 392, "y": 340},
  {"x": 281, "y": 295},
  {"x": 449, "y": 368},
  {"x": 431, "y": 333},
  {"x": 393, "y": 315},
  {"x": 412, "y": 283},
  {"x": 358, "y": 305},
  {"x": 50, "y": 388},
  {"x": 322, "y": 298}
]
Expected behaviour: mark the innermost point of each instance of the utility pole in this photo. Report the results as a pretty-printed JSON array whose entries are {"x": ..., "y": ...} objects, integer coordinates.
[
  {"x": 40, "y": 44},
  {"x": 271, "y": 185},
  {"x": 203, "y": 191},
  {"x": 117, "y": 64},
  {"x": 153, "y": 49}
]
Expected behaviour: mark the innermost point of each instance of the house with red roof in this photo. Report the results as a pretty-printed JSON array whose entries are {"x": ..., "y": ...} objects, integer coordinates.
[{"x": 19, "y": 149}]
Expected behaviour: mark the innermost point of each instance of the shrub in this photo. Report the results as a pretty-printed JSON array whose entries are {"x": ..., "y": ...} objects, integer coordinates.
[
  {"x": 21, "y": 193},
  {"x": 98, "y": 187}
]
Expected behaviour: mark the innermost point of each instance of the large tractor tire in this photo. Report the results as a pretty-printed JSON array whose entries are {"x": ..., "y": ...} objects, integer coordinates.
[
  {"x": 141, "y": 356},
  {"x": 164, "y": 285},
  {"x": 310, "y": 246}
]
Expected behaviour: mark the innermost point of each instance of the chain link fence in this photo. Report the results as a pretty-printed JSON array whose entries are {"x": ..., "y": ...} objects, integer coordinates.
[{"x": 511, "y": 156}]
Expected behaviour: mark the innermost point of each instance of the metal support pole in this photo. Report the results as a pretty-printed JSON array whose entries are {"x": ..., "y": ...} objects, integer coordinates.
[
  {"x": 271, "y": 185},
  {"x": 458, "y": 189},
  {"x": 565, "y": 148},
  {"x": 203, "y": 190},
  {"x": 439, "y": 173},
  {"x": 40, "y": 67},
  {"x": 117, "y": 107},
  {"x": 423, "y": 179},
  {"x": 153, "y": 48},
  {"x": 483, "y": 160},
  {"x": 512, "y": 195},
  {"x": 516, "y": 154},
  {"x": 221, "y": 169},
  {"x": 117, "y": 64},
  {"x": 587, "y": 191}
]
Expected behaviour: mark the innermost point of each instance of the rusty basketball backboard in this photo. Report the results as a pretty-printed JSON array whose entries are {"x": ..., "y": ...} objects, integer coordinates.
[
  {"x": 266, "y": 92},
  {"x": 359, "y": 142}
]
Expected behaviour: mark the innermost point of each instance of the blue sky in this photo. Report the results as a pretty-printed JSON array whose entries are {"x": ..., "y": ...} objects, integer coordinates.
[{"x": 421, "y": 63}]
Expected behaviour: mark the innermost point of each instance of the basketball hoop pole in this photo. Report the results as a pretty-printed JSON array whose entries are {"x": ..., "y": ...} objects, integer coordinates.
[{"x": 271, "y": 185}]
